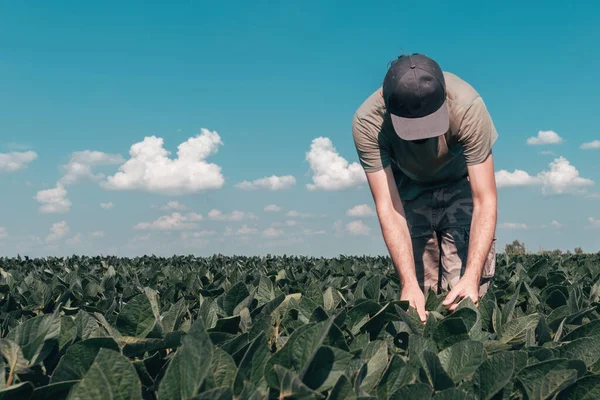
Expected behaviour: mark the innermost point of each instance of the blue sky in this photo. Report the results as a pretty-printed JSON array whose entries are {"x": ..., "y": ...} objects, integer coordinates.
[{"x": 262, "y": 82}]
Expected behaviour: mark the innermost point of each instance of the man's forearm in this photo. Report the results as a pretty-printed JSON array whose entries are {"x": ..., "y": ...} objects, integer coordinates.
[
  {"x": 483, "y": 228},
  {"x": 397, "y": 238}
]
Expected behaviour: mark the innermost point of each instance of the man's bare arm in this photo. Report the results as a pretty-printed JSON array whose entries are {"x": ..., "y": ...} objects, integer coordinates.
[
  {"x": 485, "y": 211},
  {"x": 393, "y": 224}
]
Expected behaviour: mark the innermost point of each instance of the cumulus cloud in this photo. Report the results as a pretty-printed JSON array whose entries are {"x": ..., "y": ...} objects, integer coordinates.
[
  {"x": 235, "y": 215},
  {"x": 75, "y": 240},
  {"x": 107, "y": 206},
  {"x": 289, "y": 222},
  {"x": 272, "y": 232},
  {"x": 58, "y": 231},
  {"x": 270, "y": 183},
  {"x": 330, "y": 170},
  {"x": 516, "y": 178},
  {"x": 297, "y": 214},
  {"x": 53, "y": 201},
  {"x": 358, "y": 228},
  {"x": 595, "y": 222},
  {"x": 545, "y": 137},
  {"x": 361, "y": 210},
  {"x": 3, "y": 233},
  {"x": 556, "y": 224},
  {"x": 513, "y": 225},
  {"x": 150, "y": 169},
  {"x": 244, "y": 230},
  {"x": 593, "y": 145},
  {"x": 173, "y": 205},
  {"x": 175, "y": 221},
  {"x": 79, "y": 167},
  {"x": 16, "y": 160},
  {"x": 272, "y": 208},
  {"x": 560, "y": 178}
]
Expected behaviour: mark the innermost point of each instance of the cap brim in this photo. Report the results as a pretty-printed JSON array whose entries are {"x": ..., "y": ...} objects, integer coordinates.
[{"x": 432, "y": 125}]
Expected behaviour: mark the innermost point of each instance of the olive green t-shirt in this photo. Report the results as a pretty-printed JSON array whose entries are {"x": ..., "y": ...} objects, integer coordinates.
[{"x": 437, "y": 162}]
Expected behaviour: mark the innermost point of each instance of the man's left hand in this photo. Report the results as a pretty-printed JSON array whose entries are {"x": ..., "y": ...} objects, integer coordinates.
[{"x": 465, "y": 287}]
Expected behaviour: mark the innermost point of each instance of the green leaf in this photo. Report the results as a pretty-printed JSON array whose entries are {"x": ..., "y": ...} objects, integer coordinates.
[
  {"x": 20, "y": 391},
  {"x": 342, "y": 390},
  {"x": 234, "y": 296},
  {"x": 137, "y": 317},
  {"x": 58, "y": 390},
  {"x": 462, "y": 359},
  {"x": 395, "y": 377},
  {"x": 586, "y": 388},
  {"x": 453, "y": 394},
  {"x": 111, "y": 376},
  {"x": 68, "y": 332},
  {"x": 515, "y": 330},
  {"x": 543, "y": 380},
  {"x": 220, "y": 393},
  {"x": 78, "y": 359},
  {"x": 491, "y": 376},
  {"x": 290, "y": 385},
  {"x": 172, "y": 318},
  {"x": 438, "y": 378},
  {"x": 265, "y": 292},
  {"x": 375, "y": 368},
  {"x": 415, "y": 391},
  {"x": 222, "y": 370},
  {"x": 590, "y": 329},
  {"x": 189, "y": 366},
  {"x": 586, "y": 349},
  {"x": 253, "y": 364},
  {"x": 33, "y": 334},
  {"x": 16, "y": 362},
  {"x": 328, "y": 364}
]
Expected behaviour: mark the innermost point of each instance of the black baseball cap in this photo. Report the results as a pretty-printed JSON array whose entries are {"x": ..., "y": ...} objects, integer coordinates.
[{"x": 414, "y": 91}]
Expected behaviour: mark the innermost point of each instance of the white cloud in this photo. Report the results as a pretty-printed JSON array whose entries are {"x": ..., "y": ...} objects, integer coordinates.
[
  {"x": 556, "y": 224},
  {"x": 107, "y": 206},
  {"x": 594, "y": 222},
  {"x": 244, "y": 230},
  {"x": 173, "y": 205},
  {"x": 194, "y": 217},
  {"x": 297, "y": 214},
  {"x": 361, "y": 210},
  {"x": 53, "y": 201},
  {"x": 289, "y": 222},
  {"x": 561, "y": 178},
  {"x": 330, "y": 170},
  {"x": 97, "y": 234},
  {"x": 271, "y": 183},
  {"x": 199, "y": 234},
  {"x": 3, "y": 233},
  {"x": 16, "y": 160},
  {"x": 358, "y": 228},
  {"x": 75, "y": 240},
  {"x": 272, "y": 208},
  {"x": 80, "y": 165},
  {"x": 150, "y": 169},
  {"x": 593, "y": 145},
  {"x": 272, "y": 232},
  {"x": 310, "y": 232},
  {"x": 58, "y": 231},
  {"x": 545, "y": 137},
  {"x": 518, "y": 178},
  {"x": 175, "y": 221},
  {"x": 513, "y": 225},
  {"x": 235, "y": 215}
]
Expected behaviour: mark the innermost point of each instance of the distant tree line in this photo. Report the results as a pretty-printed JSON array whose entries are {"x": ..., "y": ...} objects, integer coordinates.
[{"x": 517, "y": 247}]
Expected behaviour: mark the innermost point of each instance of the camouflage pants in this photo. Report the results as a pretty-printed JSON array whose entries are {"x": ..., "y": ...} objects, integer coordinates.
[{"x": 439, "y": 221}]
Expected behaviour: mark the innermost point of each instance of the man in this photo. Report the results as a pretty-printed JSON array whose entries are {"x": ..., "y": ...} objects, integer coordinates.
[{"x": 425, "y": 142}]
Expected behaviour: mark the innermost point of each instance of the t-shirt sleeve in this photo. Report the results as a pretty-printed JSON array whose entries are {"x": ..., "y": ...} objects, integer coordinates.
[
  {"x": 372, "y": 151},
  {"x": 477, "y": 133}
]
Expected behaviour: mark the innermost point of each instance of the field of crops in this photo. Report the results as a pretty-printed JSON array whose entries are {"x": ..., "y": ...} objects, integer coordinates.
[{"x": 292, "y": 328}]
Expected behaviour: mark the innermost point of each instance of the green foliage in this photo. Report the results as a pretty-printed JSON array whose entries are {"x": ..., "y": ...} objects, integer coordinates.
[{"x": 293, "y": 328}]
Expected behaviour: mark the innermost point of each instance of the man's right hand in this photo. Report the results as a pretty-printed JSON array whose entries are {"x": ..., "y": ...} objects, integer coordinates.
[{"x": 416, "y": 299}]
